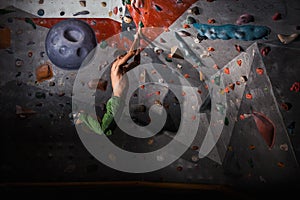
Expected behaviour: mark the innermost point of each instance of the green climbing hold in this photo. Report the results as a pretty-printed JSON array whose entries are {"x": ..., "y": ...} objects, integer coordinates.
[
  {"x": 40, "y": 95},
  {"x": 217, "y": 80},
  {"x": 141, "y": 25},
  {"x": 168, "y": 59},
  {"x": 103, "y": 44},
  {"x": 5, "y": 11},
  {"x": 126, "y": 2},
  {"x": 190, "y": 20},
  {"x": 29, "y": 21},
  {"x": 226, "y": 121}
]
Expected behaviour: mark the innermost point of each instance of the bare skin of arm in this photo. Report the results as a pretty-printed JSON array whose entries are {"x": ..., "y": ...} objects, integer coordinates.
[{"x": 117, "y": 72}]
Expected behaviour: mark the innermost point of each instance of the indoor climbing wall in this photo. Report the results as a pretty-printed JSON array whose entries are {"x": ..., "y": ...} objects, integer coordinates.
[{"x": 225, "y": 71}]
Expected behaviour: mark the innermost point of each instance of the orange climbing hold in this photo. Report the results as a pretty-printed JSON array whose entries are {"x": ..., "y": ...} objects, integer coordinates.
[
  {"x": 249, "y": 96},
  {"x": 239, "y": 62},
  {"x": 259, "y": 71},
  {"x": 226, "y": 70}
]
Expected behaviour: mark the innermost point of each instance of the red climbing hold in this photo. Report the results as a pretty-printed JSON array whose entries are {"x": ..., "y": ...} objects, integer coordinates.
[
  {"x": 295, "y": 87},
  {"x": 276, "y": 16}
]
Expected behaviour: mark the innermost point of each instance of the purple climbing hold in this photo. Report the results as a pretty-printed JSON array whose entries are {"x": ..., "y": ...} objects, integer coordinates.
[{"x": 244, "y": 19}]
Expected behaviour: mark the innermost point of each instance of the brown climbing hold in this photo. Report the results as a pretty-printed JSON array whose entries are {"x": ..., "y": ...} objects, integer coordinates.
[
  {"x": 22, "y": 112},
  {"x": 5, "y": 38},
  {"x": 82, "y": 3},
  {"x": 44, "y": 72},
  {"x": 176, "y": 53},
  {"x": 98, "y": 84},
  {"x": 280, "y": 164},
  {"x": 252, "y": 147},
  {"x": 286, "y": 39}
]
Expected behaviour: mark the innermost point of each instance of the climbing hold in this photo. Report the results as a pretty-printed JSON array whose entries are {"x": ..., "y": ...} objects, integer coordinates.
[
  {"x": 158, "y": 50},
  {"x": 217, "y": 80},
  {"x": 291, "y": 127},
  {"x": 295, "y": 87},
  {"x": 265, "y": 127},
  {"x": 44, "y": 72},
  {"x": 226, "y": 70},
  {"x": 40, "y": 95},
  {"x": 265, "y": 51},
  {"x": 115, "y": 10},
  {"x": 239, "y": 62},
  {"x": 69, "y": 42},
  {"x": 238, "y": 48},
  {"x": 248, "y": 96},
  {"x": 179, "y": 168},
  {"x": 157, "y": 8},
  {"x": 230, "y": 31},
  {"x": 211, "y": 21},
  {"x": 103, "y": 44},
  {"x": 98, "y": 84},
  {"x": 84, "y": 12},
  {"x": 82, "y": 3},
  {"x": 243, "y": 79},
  {"x": 280, "y": 164},
  {"x": 5, "y": 38},
  {"x": 210, "y": 49},
  {"x": 186, "y": 76},
  {"x": 127, "y": 19},
  {"x": 40, "y": 12},
  {"x": 259, "y": 71},
  {"x": 244, "y": 19},
  {"x": 103, "y": 4},
  {"x": 190, "y": 20},
  {"x": 195, "y": 10},
  {"x": 286, "y": 106},
  {"x": 276, "y": 16},
  {"x": 186, "y": 26},
  {"x": 284, "y": 147},
  {"x": 22, "y": 112},
  {"x": 19, "y": 62},
  {"x": 29, "y": 54},
  {"x": 286, "y": 39},
  {"x": 184, "y": 33},
  {"x": 176, "y": 53},
  {"x": 252, "y": 147},
  {"x": 29, "y": 21},
  {"x": 231, "y": 86},
  {"x": 141, "y": 25},
  {"x": 5, "y": 11}
]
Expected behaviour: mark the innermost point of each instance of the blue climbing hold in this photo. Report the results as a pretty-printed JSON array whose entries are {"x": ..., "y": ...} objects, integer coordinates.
[
  {"x": 69, "y": 42},
  {"x": 230, "y": 31}
]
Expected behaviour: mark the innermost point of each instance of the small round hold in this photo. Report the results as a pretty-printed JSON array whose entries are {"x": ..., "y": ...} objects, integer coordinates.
[
  {"x": 158, "y": 50},
  {"x": 40, "y": 12},
  {"x": 243, "y": 79},
  {"x": 19, "y": 62},
  {"x": 127, "y": 19}
]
